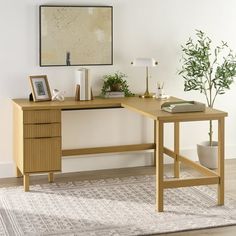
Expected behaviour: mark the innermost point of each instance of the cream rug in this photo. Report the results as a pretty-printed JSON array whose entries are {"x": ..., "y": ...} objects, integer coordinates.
[{"x": 123, "y": 206}]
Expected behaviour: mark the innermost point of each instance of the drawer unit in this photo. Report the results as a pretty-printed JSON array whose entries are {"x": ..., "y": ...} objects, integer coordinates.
[
  {"x": 42, "y": 116},
  {"x": 42, "y": 141},
  {"x": 42, "y": 130},
  {"x": 42, "y": 154}
]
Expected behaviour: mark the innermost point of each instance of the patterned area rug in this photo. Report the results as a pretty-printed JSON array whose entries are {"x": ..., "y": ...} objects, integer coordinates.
[{"x": 123, "y": 206}]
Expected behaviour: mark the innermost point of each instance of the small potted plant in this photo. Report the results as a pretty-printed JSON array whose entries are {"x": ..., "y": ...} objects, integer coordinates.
[
  {"x": 116, "y": 83},
  {"x": 211, "y": 72}
]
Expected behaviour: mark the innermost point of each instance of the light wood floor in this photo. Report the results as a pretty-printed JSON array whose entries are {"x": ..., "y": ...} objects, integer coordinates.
[{"x": 230, "y": 182}]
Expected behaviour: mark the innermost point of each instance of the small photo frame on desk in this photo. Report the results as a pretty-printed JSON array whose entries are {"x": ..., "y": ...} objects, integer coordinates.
[{"x": 40, "y": 88}]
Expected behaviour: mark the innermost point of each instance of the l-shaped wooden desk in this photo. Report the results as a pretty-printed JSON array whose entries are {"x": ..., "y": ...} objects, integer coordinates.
[{"x": 37, "y": 140}]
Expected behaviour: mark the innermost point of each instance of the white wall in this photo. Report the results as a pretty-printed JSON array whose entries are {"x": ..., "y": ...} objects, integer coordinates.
[{"x": 142, "y": 28}]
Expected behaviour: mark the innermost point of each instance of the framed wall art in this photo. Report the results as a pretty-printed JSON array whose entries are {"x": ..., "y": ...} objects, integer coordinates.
[
  {"x": 76, "y": 35},
  {"x": 40, "y": 88}
]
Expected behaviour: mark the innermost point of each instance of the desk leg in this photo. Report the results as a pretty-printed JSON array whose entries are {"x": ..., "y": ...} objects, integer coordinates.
[
  {"x": 159, "y": 129},
  {"x": 155, "y": 141},
  {"x": 221, "y": 144},
  {"x": 176, "y": 150},
  {"x": 50, "y": 177},
  {"x": 26, "y": 182},
  {"x": 18, "y": 173}
]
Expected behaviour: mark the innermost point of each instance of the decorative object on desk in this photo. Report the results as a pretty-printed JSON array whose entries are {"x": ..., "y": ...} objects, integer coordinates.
[
  {"x": 115, "y": 85},
  {"x": 76, "y": 35},
  {"x": 209, "y": 71},
  {"x": 183, "y": 106},
  {"x": 83, "y": 85},
  {"x": 58, "y": 95},
  {"x": 145, "y": 62},
  {"x": 160, "y": 94},
  {"x": 160, "y": 90},
  {"x": 40, "y": 88}
]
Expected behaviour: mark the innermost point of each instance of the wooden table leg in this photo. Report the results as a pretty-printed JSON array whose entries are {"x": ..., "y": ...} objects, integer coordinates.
[
  {"x": 18, "y": 173},
  {"x": 176, "y": 150},
  {"x": 155, "y": 141},
  {"x": 26, "y": 182},
  {"x": 221, "y": 138},
  {"x": 50, "y": 177},
  {"x": 159, "y": 129}
]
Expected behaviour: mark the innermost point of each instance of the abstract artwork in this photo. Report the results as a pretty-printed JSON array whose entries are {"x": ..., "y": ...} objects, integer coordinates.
[{"x": 76, "y": 35}]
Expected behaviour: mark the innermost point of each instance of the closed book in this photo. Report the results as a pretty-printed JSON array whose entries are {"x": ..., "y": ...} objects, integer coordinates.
[
  {"x": 113, "y": 94},
  {"x": 183, "y": 106}
]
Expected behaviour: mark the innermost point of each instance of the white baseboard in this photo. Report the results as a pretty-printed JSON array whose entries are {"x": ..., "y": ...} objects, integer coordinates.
[
  {"x": 100, "y": 162},
  {"x": 7, "y": 169}
]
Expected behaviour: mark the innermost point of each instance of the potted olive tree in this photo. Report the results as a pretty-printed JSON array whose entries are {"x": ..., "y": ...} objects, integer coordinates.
[{"x": 210, "y": 71}]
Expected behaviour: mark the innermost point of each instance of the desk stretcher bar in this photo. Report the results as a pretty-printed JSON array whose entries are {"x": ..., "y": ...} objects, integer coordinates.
[{"x": 109, "y": 149}]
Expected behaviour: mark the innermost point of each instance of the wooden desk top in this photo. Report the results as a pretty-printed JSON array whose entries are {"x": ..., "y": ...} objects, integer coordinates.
[
  {"x": 69, "y": 104},
  {"x": 148, "y": 107}
]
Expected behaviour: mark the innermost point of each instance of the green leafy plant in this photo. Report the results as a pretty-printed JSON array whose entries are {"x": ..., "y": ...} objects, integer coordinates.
[
  {"x": 209, "y": 71},
  {"x": 116, "y": 82}
]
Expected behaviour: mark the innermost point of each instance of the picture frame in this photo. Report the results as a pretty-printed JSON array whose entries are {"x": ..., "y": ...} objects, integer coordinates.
[
  {"x": 75, "y": 35},
  {"x": 40, "y": 88}
]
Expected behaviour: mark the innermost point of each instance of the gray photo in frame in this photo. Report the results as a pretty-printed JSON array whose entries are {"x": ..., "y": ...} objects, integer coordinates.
[
  {"x": 40, "y": 88},
  {"x": 76, "y": 35}
]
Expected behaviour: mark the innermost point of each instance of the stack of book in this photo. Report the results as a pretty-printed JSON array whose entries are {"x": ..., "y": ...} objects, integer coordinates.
[
  {"x": 114, "y": 94},
  {"x": 183, "y": 106}
]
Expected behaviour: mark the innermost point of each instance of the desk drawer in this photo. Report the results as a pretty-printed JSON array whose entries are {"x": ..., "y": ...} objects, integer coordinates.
[
  {"x": 42, "y": 116},
  {"x": 42, "y": 130},
  {"x": 42, "y": 154}
]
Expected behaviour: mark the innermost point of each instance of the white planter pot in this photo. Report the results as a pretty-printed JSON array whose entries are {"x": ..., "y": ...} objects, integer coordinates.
[{"x": 208, "y": 154}]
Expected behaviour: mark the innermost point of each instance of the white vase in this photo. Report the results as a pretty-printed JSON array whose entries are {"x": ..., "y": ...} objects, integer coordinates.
[{"x": 208, "y": 155}]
